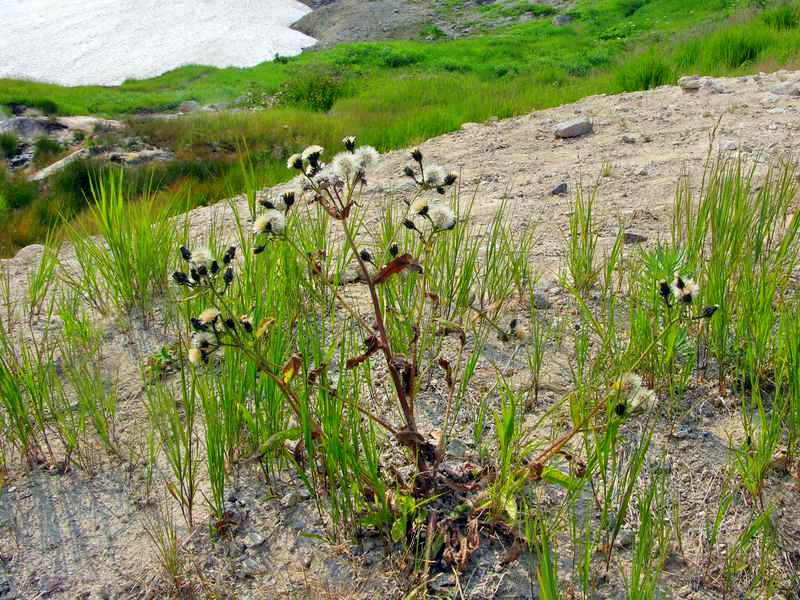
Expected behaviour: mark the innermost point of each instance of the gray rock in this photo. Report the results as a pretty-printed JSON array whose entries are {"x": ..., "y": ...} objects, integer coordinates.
[
  {"x": 541, "y": 301},
  {"x": 789, "y": 88},
  {"x": 561, "y": 20},
  {"x": 188, "y": 106},
  {"x": 717, "y": 87},
  {"x": 26, "y": 128},
  {"x": 690, "y": 84},
  {"x": 628, "y": 139},
  {"x": 59, "y": 165},
  {"x": 292, "y": 498},
  {"x": 253, "y": 539},
  {"x": 573, "y": 128},
  {"x": 562, "y": 189}
]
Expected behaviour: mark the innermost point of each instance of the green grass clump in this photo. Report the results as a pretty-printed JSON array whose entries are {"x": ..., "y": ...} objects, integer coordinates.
[{"x": 9, "y": 143}]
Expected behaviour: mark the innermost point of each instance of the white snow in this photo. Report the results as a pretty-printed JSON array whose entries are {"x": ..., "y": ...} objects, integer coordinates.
[{"x": 105, "y": 42}]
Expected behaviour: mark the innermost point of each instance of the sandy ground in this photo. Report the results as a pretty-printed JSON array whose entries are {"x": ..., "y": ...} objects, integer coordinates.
[
  {"x": 77, "y": 536},
  {"x": 105, "y": 42}
]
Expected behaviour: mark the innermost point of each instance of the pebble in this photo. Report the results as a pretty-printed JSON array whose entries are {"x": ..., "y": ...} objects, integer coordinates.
[
  {"x": 573, "y": 128},
  {"x": 562, "y": 189}
]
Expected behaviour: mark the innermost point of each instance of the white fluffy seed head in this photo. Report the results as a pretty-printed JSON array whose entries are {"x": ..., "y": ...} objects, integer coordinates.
[
  {"x": 294, "y": 161},
  {"x": 195, "y": 356},
  {"x": 442, "y": 217},
  {"x": 202, "y": 256},
  {"x": 434, "y": 176},
  {"x": 270, "y": 221},
  {"x": 312, "y": 151},
  {"x": 208, "y": 316},
  {"x": 366, "y": 156},
  {"x": 202, "y": 340},
  {"x": 345, "y": 165},
  {"x": 420, "y": 206}
]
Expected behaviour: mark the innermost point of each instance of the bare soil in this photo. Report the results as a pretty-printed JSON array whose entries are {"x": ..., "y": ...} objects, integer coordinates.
[{"x": 78, "y": 535}]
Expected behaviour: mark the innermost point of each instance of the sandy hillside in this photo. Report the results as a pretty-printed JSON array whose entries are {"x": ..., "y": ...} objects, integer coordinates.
[{"x": 68, "y": 536}]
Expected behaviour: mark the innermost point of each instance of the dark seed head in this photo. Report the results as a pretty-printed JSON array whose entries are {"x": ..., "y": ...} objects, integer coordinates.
[
  {"x": 229, "y": 255},
  {"x": 180, "y": 278},
  {"x": 259, "y": 249},
  {"x": 288, "y": 199},
  {"x": 194, "y": 274},
  {"x": 214, "y": 267},
  {"x": 620, "y": 408},
  {"x": 365, "y": 256},
  {"x": 679, "y": 282},
  {"x": 440, "y": 189},
  {"x": 664, "y": 290},
  {"x": 227, "y": 277},
  {"x": 198, "y": 325},
  {"x": 408, "y": 172},
  {"x": 229, "y": 323},
  {"x": 350, "y": 143},
  {"x": 266, "y": 203},
  {"x": 416, "y": 155},
  {"x": 450, "y": 179},
  {"x": 709, "y": 311},
  {"x": 409, "y": 224},
  {"x": 393, "y": 250},
  {"x": 186, "y": 254},
  {"x": 513, "y": 325}
]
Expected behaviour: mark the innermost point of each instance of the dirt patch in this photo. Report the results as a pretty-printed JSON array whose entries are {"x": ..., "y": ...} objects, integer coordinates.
[{"x": 69, "y": 535}]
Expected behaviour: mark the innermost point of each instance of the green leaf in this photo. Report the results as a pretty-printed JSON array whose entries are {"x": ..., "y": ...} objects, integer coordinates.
[{"x": 556, "y": 477}]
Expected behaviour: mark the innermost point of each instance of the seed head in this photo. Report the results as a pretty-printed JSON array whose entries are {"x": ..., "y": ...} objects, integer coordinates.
[
  {"x": 366, "y": 156},
  {"x": 295, "y": 162},
  {"x": 350, "y": 143},
  {"x": 180, "y": 278},
  {"x": 366, "y": 256},
  {"x": 394, "y": 250},
  {"x": 227, "y": 276},
  {"x": 420, "y": 206},
  {"x": 195, "y": 356},
  {"x": 450, "y": 179},
  {"x": 229, "y": 255},
  {"x": 312, "y": 154},
  {"x": 408, "y": 171},
  {"x": 272, "y": 221},
  {"x": 186, "y": 254},
  {"x": 434, "y": 176},
  {"x": 442, "y": 218},
  {"x": 416, "y": 155},
  {"x": 344, "y": 165},
  {"x": 209, "y": 316}
]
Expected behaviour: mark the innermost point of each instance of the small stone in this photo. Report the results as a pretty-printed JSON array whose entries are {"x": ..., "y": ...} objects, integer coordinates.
[
  {"x": 561, "y": 20},
  {"x": 249, "y": 567},
  {"x": 541, "y": 301},
  {"x": 562, "y": 189},
  {"x": 690, "y": 84},
  {"x": 292, "y": 498},
  {"x": 573, "y": 128},
  {"x": 253, "y": 539},
  {"x": 628, "y": 139},
  {"x": 625, "y": 538}
]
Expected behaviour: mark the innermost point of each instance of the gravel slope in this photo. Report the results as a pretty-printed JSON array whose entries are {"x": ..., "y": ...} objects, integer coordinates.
[{"x": 56, "y": 535}]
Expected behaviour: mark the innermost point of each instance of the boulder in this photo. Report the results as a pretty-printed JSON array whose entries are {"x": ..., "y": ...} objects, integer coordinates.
[
  {"x": 562, "y": 189},
  {"x": 573, "y": 128}
]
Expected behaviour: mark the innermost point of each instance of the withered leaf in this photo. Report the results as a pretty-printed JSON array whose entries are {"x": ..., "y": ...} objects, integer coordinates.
[
  {"x": 291, "y": 368},
  {"x": 395, "y": 266}
]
